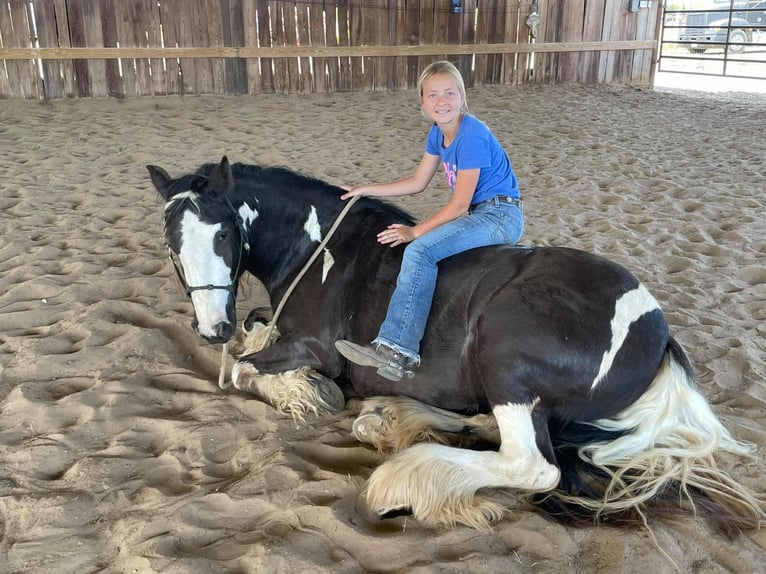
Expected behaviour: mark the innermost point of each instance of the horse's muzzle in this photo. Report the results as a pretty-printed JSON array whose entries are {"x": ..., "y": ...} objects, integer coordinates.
[{"x": 223, "y": 331}]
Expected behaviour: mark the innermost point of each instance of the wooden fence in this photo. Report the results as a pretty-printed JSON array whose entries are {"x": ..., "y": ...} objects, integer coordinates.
[{"x": 120, "y": 48}]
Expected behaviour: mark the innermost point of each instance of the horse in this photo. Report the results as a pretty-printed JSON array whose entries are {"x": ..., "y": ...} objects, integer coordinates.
[{"x": 545, "y": 370}]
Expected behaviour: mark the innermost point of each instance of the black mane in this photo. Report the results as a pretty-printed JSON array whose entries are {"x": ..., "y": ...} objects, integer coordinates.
[{"x": 284, "y": 179}]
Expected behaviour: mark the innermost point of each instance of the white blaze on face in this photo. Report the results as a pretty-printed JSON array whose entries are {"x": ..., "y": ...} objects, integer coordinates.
[
  {"x": 629, "y": 308},
  {"x": 201, "y": 266}
]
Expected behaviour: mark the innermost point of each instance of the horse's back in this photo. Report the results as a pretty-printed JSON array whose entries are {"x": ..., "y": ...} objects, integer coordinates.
[{"x": 559, "y": 325}]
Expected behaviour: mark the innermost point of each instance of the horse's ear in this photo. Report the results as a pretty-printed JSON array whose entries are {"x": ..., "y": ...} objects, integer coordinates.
[
  {"x": 160, "y": 179},
  {"x": 221, "y": 178}
]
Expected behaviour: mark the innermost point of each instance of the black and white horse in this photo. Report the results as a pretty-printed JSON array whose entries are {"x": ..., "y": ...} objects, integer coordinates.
[{"x": 560, "y": 358}]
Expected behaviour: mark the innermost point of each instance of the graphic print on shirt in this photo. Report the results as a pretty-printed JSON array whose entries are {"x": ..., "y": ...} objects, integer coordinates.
[{"x": 451, "y": 174}]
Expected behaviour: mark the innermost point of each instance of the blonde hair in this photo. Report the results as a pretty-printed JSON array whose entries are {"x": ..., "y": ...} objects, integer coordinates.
[{"x": 444, "y": 67}]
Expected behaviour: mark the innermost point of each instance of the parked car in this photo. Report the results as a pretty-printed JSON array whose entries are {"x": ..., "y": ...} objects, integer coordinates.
[{"x": 703, "y": 30}]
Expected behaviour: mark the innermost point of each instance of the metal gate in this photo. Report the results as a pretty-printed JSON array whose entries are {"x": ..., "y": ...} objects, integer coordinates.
[{"x": 714, "y": 37}]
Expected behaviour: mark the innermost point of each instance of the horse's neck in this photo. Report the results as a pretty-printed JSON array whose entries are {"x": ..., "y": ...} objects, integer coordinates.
[{"x": 272, "y": 260}]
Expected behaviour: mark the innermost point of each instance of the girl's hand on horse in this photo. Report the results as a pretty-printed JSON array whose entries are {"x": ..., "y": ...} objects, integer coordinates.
[
  {"x": 396, "y": 234},
  {"x": 351, "y": 191}
]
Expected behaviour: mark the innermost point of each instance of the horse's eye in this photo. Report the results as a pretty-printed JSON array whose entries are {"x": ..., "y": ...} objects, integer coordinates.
[{"x": 222, "y": 235}]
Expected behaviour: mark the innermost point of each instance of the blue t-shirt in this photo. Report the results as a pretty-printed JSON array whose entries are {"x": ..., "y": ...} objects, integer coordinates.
[{"x": 475, "y": 147}]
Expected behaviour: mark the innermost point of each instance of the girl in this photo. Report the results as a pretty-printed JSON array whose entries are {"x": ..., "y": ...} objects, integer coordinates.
[{"x": 484, "y": 209}]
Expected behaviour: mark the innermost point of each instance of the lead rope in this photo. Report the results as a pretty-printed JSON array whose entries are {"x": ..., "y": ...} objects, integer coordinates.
[
  {"x": 270, "y": 327},
  {"x": 222, "y": 384}
]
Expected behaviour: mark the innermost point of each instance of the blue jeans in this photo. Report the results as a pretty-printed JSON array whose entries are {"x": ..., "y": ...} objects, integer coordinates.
[{"x": 489, "y": 223}]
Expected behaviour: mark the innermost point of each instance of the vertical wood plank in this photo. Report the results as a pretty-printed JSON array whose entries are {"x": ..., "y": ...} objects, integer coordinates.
[
  {"x": 518, "y": 68},
  {"x": 131, "y": 32},
  {"x": 641, "y": 59},
  {"x": 278, "y": 22},
  {"x": 198, "y": 79},
  {"x": 114, "y": 86},
  {"x": 303, "y": 38},
  {"x": 94, "y": 38},
  {"x": 367, "y": 19},
  {"x": 333, "y": 65},
  {"x": 466, "y": 36},
  {"x": 380, "y": 36},
  {"x": 28, "y": 74},
  {"x": 6, "y": 92},
  {"x": 185, "y": 38},
  {"x": 510, "y": 62},
  {"x": 535, "y": 62},
  {"x": 653, "y": 27},
  {"x": 171, "y": 19},
  {"x": 203, "y": 69},
  {"x": 412, "y": 27},
  {"x": 427, "y": 24},
  {"x": 606, "y": 61},
  {"x": 369, "y": 23},
  {"x": 291, "y": 39},
  {"x": 624, "y": 59},
  {"x": 20, "y": 36},
  {"x": 250, "y": 34},
  {"x": 125, "y": 36},
  {"x": 154, "y": 39},
  {"x": 345, "y": 82},
  {"x": 265, "y": 40},
  {"x": 636, "y": 57},
  {"x": 65, "y": 41},
  {"x": 656, "y": 28},
  {"x": 212, "y": 21},
  {"x": 318, "y": 39},
  {"x": 9, "y": 84},
  {"x": 398, "y": 35},
  {"x": 496, "y": 34},
  {"x": 548, "y": 63},
  {"x": 187, "y": 66},
  {"x": 206, "y": 32},
  {"x": 571, "y": 31},
  {"x": 482, "y": 36},
  {"x": 445, "y": 26},
  {"x": 355, "y": 18},
  {"x": 233, "y": 24},
  {"x": 592, "y": 29},
  {"x": 77, "y": 39},
  {"x": 47, "y": 37},
  {"x": 140, "y": 16}
]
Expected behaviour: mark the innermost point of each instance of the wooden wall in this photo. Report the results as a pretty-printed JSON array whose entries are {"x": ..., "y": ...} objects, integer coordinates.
[{"x": 122, "y": 48}]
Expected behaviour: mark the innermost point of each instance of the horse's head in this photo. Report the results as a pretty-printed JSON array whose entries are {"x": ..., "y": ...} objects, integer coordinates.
[{"x": 206, "y": 236}]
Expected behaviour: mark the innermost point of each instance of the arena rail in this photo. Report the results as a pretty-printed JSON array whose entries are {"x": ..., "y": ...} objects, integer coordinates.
[{"x": 318, "y": 52}]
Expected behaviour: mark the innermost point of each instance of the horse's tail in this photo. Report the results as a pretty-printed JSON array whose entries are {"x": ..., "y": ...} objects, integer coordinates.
[{"x": 653, "y": 455}]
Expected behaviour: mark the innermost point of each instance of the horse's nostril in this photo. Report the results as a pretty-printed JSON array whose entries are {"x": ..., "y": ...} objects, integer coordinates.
[{"x": 224, "y": 330}]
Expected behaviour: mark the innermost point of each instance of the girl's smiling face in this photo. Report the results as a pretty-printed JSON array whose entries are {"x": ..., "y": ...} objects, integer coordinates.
[{"x": 441, "y": 99}]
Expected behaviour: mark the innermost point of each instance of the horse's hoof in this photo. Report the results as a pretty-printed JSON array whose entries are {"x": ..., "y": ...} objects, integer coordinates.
[
  {"x": 379, "y": 517},
  {"x": 395, "y": 512},
  {"x": 369, "y": 428},
  {"x": 329, "y": 395}
]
